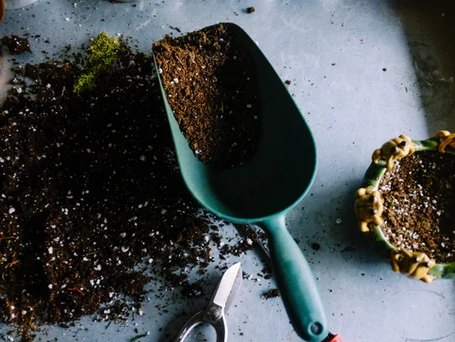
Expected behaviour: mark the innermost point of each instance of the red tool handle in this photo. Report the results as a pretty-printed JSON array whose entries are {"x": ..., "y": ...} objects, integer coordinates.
[{"x": 334, "y": 338}]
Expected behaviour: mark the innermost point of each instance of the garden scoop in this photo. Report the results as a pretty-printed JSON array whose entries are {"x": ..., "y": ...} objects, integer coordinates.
[{"x": 263, "y": 190}]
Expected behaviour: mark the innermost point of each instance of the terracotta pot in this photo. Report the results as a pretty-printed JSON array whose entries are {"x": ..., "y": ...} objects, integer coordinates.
[{"x": 369, "y": 206}]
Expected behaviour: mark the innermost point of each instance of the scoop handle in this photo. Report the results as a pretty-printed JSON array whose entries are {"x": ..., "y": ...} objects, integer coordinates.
[{"x": 295, "y": 281}]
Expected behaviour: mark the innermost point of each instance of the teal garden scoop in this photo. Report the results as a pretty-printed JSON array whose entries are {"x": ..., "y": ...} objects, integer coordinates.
[{"x": 263, "y": 190}]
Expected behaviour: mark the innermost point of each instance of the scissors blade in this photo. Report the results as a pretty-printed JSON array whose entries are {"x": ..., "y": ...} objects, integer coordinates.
[{"x": 228, "y": 286}]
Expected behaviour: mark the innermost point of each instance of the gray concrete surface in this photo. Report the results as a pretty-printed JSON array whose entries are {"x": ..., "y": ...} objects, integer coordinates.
[{"x": 362, "y": 72}]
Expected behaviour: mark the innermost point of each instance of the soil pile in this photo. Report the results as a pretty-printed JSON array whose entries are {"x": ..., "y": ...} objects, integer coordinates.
[{"x": 90, "y": 190}]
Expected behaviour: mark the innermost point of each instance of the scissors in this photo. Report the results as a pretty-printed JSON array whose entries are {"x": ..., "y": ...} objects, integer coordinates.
[{"x": 214, "y": 314}]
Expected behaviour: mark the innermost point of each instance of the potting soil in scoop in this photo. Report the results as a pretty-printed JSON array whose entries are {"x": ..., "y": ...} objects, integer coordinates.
[{"x": 211, "y": 87}]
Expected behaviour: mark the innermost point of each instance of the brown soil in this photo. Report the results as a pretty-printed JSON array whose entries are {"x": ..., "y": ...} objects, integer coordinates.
[
  {"x": 273, "y": 293},
  {"x": 92, "y": 202},
  {"x": 419, "y": 204},
  {"x": 16, "y": 45},
  {"x": 210, "y": 86}
]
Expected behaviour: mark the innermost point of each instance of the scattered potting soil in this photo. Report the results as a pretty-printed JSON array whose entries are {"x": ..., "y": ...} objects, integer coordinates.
[
  {"x": 315, "y": 246},
  {"x": 211, "y": 87},
  {"x": 92, "y": 202},
  {"x": 273, "y": 293},
  {"x": 16, "y": 45},
  {"x": 419, "y": 204}
]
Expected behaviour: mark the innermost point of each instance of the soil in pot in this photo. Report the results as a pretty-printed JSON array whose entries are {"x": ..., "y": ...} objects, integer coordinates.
[
  {"x": 210, "y": 84},
  {"x": 419, "y": 204},
  {"x": 91, "y": 194}
]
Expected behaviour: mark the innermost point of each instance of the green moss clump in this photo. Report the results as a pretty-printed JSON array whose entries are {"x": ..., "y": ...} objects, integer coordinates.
[{"x": 103, "y": 52}]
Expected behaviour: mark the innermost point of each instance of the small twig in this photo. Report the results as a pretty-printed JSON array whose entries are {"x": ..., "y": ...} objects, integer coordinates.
[
  {"x": 256, "y": 239},
  {"x": 6, "y": 237},
  {"x": 134, "y": 339},
  {"x": 262, "y": 244},
  {"x": 75, "y": 289}
]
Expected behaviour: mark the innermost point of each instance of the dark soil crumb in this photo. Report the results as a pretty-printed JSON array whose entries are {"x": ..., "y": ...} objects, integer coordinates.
[
  {"x": 16, "y": 45},
  {"x": 211, "y": 88},
  {"x": 271, "y": 294},
  {"x": 419, "y": 204},
  {"x": 92, "y": 202},
  {"x": 315, "y": 246},
  {"x": 267, "y": 272},
  {"x": 175, "y": 28},
  {"x": 250, "y": 10},
  {"x": 287, "y": 82}
]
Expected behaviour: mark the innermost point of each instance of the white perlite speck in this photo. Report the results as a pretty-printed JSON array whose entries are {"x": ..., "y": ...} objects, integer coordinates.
[{"x": 11, "y": 210}]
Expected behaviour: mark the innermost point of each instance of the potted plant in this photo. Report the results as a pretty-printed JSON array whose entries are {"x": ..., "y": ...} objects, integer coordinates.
[{"x": 406, "y": 204}]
